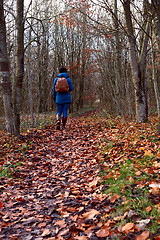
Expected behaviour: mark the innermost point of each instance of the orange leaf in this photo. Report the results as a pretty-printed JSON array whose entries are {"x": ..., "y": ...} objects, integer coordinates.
[
  {"x": 143, "y": 236},
  {"x": 148, "y": 209},
  {"x": 20, "y": 199},
  {"x": 155, "y": 190},
  {"x": 138, "y": 173},
  {"x": 148, "y": 153},
  {"x": 45, "y": 232},
  {"x": 60, "y": 222},
  {"x": 157, "y": 237},
  {"x": 114, "y": 198},
  {"x": 41, "y": 225},
  {"x": 81, "y": 238},
  {"x": 103, "y": 233},
  {"x": 93, "y": 183},
  {"x": 91, "y": 214},
  {"x": 126, "y": 228}
]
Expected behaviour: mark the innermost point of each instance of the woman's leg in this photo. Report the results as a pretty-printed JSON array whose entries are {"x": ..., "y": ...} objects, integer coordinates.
[
  {"x": 59, "y": 112},
  {"x": 65, "y": 110}
]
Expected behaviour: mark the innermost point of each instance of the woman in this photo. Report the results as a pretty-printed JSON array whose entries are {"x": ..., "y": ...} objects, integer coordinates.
[{"x": 62, "y": 99}]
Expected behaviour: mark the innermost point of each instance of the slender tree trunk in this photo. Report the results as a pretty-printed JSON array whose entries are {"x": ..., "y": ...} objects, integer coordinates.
[
  {"x": 138, "y": 69},
  {"x": 4, "y": 74},
  {"x": 39, "y": 104},
  {"x": 19, "y": 65},
  {"x": 156, "y": 14},
  {"x": 118, "y": 57},
  {"x": 30, "y": 80},
  {"x": 155, "y": 80},
  {"x": 83, "y": 65},
  {"x": 156, "y": 11}
]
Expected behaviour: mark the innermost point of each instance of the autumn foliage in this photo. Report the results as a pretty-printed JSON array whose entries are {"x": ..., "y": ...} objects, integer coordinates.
[{"x": 98, "y": 179}]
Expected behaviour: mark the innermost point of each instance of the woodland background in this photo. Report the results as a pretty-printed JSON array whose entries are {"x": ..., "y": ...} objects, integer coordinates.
[
  {"x": 110, "y": 48},
  {"x": 98, "y": 178}
]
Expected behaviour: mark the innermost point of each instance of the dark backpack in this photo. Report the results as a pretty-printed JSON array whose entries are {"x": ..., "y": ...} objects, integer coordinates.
[{"x": 62, "y": 85}]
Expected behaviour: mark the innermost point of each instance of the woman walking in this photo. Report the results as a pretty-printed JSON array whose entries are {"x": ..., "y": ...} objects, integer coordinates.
[{"x": 61, "y": 95}]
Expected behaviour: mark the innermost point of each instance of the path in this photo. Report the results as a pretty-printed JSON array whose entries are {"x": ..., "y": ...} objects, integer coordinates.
[{"x": 57, "y": 192}]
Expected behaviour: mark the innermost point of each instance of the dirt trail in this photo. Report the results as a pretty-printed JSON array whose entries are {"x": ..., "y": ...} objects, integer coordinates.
[{"x": 56, "y": 194}]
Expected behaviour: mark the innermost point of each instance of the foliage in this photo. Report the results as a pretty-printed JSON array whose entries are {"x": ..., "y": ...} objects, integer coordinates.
[{"x": 90, "y": 181}]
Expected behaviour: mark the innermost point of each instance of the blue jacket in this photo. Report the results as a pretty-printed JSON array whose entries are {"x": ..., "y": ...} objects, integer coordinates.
[{"x": 61, "y": 98}]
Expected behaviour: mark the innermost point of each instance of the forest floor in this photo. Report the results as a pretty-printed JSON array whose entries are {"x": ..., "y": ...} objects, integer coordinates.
[{"x": 98, "y": 179}]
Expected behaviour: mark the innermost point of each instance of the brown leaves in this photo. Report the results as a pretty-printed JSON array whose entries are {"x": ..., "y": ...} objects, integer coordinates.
[
  {"x": 103, "y": 232},
  {"x": 58, "y": 192},
  {"x": 143, "y": 236},
  {"x": 127, "y": 227},
  {"x": 45, "y": 233},
  {"x": 91, "y": 214},
  {"x": 114, "y": 198}
]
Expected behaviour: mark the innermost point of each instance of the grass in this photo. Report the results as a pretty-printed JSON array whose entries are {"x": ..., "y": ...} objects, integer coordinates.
[
  {"x": 8, "y": 169},
  {"x": 133, "y": 190},
  {"x": 40, "y": 121}
]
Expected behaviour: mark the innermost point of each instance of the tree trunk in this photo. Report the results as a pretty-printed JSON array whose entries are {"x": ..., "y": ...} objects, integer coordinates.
[
  {"x": 137, "y": 68},
  {"x": 83, "y": 66},
  {"x": 19, "y": 65},
  {"x": 154, "y": 79},
  {"x": 118, "y": 59},
  {"x": 4, "y": 74},
  {"x": 156, "y": 11},
  {"x": 30, "y": 80}
]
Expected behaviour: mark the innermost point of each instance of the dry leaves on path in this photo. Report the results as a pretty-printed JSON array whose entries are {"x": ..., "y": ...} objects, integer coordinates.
[{"x": 56, "y": 192}]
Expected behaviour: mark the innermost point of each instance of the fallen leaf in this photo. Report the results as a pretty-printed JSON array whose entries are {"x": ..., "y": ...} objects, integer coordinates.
[
  {"x": 155, "y": 190},
  {"x": 126, "y": 228},
  {"x": 143, "y": 236},
  {"x": 114, "y": 198},
  {"x": 63, "y": 232},
  {"x": 93, "y": 183},
  {"x": 148, "y": 153},
  {"x": 153, "y": 185},
  {"x": 149, "y": 208},
  {"x": 142, "y": 224},
  {"x": 138, "y": 173},
  {"x": 20, "y": 199},
  {"x": 157, "y": 237},
  {"x": 45, "y": 232},
  {"x": 90, "y": 214},
  {"x": 103, "y": 233},
  {"x": 40, "y": 225},
  {"x": 60, "y": 222},
  {"x": 0, "y": 205},
  {"x": 81, "y": 238}
]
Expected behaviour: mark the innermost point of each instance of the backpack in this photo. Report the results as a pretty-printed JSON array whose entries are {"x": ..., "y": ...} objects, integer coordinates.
[{"x": 62, "y": 85}]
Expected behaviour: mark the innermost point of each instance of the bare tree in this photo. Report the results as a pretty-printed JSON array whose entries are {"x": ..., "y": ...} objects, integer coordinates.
[
  {"x": 138, "y": 65},
  {"x": 19, "y": 65},
  {"x": 156, "y": 11},
  {"x": 4, "y": 73},
  {"x": 156, "y": 20}
]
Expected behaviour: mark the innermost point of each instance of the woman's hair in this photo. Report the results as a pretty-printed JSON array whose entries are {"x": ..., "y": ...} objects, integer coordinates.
[{"x": 63, "y": 70}]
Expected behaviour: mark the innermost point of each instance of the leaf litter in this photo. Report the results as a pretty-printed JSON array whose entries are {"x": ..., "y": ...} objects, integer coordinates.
[{"x": 58, "y": 189}]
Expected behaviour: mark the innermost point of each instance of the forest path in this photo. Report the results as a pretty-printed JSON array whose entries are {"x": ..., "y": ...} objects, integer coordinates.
[{"x": 57, "y": 192}]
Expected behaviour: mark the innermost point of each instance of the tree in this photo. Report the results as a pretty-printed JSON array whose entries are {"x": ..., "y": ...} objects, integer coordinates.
[
  {"x": 19, "y": 65},
  {"x": 156, "y": 19},
  {"x": 138, "y": 65},
  {"x": 4, "y": 73}
]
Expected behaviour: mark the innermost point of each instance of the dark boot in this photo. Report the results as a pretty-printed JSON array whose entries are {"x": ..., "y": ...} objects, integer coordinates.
[
  {"x": 58, "y": 121},
  {"x": 64, "y": 120}
]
